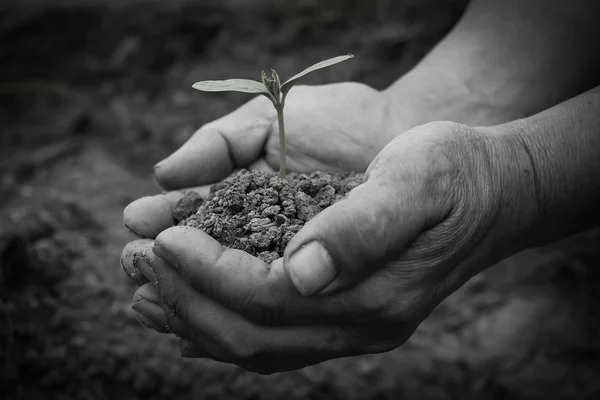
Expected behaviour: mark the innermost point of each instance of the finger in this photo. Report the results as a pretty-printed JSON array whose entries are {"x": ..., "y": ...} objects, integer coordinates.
[
  {"x": 232, "y": 277},
  {"x": 146, "y": 292},
  {"x": 359, "y": 235},
  {"x": 146, "y": 303},
  {"x": 134, "y": 260},
  {"x": 219, "y": 147},
  {"x": 262, "y": 293},
  {"x": 231, "y": 338},
  {"x": 150, "y": 215}
]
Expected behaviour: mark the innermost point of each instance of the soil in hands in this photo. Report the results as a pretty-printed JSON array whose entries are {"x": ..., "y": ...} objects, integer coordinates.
[{"x": 259, "y": 212}]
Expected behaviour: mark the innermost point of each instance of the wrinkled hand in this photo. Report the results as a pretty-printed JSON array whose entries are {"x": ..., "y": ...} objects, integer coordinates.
[
  {"x": 331, "y": 127},
  {"x": 358, "y": 278}
]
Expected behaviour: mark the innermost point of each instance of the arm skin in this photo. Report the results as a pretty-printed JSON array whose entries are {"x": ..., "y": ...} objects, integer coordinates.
[
  {"x": 559, "y": 170},
  {"x": 504, "y": 60},
  {"x": 548, "y": 174}
]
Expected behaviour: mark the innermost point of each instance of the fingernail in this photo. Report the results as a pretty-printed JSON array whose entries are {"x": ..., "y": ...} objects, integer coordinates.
[
  {"x": 311, "y": 268},
  {"x": 161, "y": 252}
]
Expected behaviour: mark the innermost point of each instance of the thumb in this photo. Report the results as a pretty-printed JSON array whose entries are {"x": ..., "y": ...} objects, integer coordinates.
[
  {"x": 216, "y": 149},
  {"x": 353, "y": 238}
]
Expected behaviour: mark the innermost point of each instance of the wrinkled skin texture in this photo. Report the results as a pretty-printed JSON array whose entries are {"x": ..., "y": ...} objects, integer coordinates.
[{"x": 402, "y": 241}]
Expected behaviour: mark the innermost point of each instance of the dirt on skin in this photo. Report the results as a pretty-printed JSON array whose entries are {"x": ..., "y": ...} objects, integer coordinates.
[{"x": 260, "y": 212}]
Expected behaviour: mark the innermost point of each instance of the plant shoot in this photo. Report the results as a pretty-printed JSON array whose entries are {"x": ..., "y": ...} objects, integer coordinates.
[{"x": 272, "y": 88}]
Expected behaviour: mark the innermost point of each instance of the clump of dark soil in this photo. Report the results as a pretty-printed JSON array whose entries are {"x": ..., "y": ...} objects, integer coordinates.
[{"x": 259, "y": 212}]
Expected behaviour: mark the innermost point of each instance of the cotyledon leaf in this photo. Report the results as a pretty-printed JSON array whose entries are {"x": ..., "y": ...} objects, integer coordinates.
[
  {"x": 287, "y": 85},
  {"x": 233, "y": 85}
]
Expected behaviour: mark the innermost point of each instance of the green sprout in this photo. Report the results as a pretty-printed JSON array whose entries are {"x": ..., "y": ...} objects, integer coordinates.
[{"x": 273, "y": 89}]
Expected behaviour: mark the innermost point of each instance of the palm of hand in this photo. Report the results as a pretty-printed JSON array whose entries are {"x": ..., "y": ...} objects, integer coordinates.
[{"x": 338, "y": 127}]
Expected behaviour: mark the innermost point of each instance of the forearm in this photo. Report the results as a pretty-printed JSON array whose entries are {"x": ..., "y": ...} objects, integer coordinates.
[
  {"x": 503, "y": 61},
  {"x": 550, "y": 177}
]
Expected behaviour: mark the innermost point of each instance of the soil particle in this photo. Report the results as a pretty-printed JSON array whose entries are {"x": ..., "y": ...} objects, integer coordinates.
[
  {"x": 259, "y": 212},
  {"x": 187, "y": 205}
]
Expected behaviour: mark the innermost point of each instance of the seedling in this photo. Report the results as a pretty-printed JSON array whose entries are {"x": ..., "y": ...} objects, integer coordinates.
[{"x": 273, "y": 89}]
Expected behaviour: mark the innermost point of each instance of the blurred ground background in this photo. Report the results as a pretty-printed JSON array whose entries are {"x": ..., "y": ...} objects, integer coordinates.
[{"x": 94, "y": 92}]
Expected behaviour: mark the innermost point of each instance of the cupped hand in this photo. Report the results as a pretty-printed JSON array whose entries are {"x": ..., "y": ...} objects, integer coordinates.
[
  {"x": 331, "y": 127},
  {"x": 336, "y": 127},
  {"x": 358, "y": 278}
]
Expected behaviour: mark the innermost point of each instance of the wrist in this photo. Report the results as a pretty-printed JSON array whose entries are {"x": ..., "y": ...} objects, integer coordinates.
[
  {"x": 498, "y": 202},
  {"x": 554, "y": 168},
  {"x": 515, "y": 184}
]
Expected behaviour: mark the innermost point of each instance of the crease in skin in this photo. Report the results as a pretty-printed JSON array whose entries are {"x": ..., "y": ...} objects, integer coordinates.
[
  {"x": 156, "y": 283},
  {"x": 229, "y": 149},
  {"x": 534, "y": 173}
]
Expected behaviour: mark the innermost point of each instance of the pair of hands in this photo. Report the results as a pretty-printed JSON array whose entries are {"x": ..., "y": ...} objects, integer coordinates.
[{"x": 360, "y": 276}]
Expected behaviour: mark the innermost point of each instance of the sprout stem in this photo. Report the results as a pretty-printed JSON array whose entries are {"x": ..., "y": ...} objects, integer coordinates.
[{"x": 282, "y": 171}]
